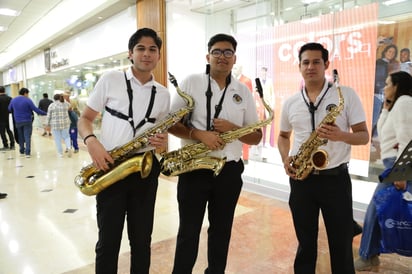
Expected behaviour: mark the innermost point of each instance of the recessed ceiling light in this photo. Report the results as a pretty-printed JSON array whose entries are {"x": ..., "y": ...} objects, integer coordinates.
[
  {"x": 2, "y": 28},
  {"x": 9, "y": 12},
  {"x": 392, "y": 2}
]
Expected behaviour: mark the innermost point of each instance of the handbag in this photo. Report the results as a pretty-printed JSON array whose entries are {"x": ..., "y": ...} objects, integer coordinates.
[{"x": 394, "y": 211}]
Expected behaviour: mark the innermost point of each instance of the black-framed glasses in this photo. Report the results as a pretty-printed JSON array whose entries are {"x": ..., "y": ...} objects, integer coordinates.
[{"x": 226, "y": 52}]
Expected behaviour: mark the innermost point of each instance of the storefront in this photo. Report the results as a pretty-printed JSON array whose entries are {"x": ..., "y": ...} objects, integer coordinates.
[{"x": 269, "y": 34}]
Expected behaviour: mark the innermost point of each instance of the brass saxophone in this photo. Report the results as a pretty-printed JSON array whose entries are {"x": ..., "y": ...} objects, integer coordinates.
[
  {"x": 91, "y": 180},
  {"x": 309, "y": 155},
  {"x": 193, "y": 156}
]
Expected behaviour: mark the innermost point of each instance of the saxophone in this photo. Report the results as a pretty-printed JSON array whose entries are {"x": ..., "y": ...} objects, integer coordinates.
[
  {"x": 91, "y": 180},
  {"x": 193, "y": 156},
  {"x": 309, "y": 155}
]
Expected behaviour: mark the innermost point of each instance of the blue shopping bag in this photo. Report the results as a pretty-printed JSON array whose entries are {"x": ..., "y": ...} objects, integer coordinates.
[{"x": 394, "y": 210}]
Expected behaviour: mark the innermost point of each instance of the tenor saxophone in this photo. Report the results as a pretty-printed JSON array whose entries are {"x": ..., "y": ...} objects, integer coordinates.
[
  {"x": 91, "y": 180},
  {"x": 194, "y": 156},
  {"x": 309, "y": 156}
]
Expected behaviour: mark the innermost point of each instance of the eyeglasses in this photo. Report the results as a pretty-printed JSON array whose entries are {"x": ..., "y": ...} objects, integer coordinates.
[{"x": 226, "y": 52}]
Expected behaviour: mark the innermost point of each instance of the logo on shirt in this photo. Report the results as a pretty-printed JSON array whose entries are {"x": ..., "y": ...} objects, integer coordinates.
[
  {"x": 330, "y": 107},
  {"x": 237, "y": 99}
]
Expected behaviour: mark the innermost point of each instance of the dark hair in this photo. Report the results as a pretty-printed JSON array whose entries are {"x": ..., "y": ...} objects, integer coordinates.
[
  {"x": 144, "y": 32},
  {"x": 221, "y": 37},
  {"x": 45, "y": 95},
  {"x": 2, "y": 89},
  {"x": 314, "y": 46},
  {"x": 387, "y": 48},
  {"x": 23, "y": 91},
  {"x": 406, "y": 49},
  {"x": 58, "y": 96},
  {"x": 403, "y": 82}
]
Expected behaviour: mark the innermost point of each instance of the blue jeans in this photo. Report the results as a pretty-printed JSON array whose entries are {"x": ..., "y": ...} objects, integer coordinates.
[
  {"x": 73, "y": 138},
  {"x": 371, "y": 235},
  {"x": 59, "y": 135},
  {"x": 24, "y": 131}
]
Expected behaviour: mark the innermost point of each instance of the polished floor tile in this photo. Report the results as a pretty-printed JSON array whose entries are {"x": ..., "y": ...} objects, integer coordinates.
[{"x": 48, "y": 227}]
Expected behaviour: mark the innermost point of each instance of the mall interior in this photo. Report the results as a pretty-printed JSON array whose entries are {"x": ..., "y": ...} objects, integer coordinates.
[{"x": 48, "y": 226}]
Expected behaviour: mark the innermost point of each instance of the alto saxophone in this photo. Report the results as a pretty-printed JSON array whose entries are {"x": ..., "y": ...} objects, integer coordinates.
[
  {"x": 91, "y": 180},
  {"x": 193, "y": 156},
  {"x": 309, "y": 156}
]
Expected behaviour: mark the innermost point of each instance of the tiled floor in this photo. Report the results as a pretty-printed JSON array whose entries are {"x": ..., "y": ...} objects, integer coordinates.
[{"x": 48, "y": 227}]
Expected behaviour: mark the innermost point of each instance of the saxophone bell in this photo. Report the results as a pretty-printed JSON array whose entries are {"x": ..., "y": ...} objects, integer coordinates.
[{"x": 319, "y": 159}]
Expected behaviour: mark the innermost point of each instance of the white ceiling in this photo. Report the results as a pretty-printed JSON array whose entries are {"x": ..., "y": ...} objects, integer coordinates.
[{"x": 73, "y": 17}]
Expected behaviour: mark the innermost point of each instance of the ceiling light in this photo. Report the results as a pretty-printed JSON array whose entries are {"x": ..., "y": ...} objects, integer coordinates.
[
  {"x": 392, "y": 2},
  {"x": 311, "y": 1},
  {"x": 9, "y": 12},
  {"x": 3, "y": 28}
]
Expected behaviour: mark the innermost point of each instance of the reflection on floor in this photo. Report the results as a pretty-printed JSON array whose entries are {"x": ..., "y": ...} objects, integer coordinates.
[{"x": 48, "y": 226}]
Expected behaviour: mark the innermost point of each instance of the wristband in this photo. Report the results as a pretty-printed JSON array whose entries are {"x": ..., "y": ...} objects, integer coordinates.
[
  {"x": 190, "y": 133},
  {"x": 87, "y": 137}
]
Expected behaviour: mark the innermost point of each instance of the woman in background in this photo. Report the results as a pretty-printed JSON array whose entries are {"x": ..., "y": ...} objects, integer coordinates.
[
  {"x": 59, "y": 121},
  {"x": 395, "y": 132}
]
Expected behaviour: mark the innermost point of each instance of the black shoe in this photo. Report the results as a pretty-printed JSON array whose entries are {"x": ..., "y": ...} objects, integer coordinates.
[
  {"x": 357, "y": 229},
  {"x": 44, "y": 134},
  {"x": 3, "y": 195}
]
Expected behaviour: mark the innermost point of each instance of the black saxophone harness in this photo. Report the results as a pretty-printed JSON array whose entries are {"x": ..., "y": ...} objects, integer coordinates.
[{"x": 129, "y": 117}]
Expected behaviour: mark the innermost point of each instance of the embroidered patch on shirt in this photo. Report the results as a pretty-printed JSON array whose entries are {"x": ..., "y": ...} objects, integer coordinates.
[{"x": 237, "y": 99}]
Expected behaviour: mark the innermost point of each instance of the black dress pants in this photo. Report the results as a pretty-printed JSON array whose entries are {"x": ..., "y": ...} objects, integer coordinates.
[
  {"x": 132, "y": 198},
  {"x": 331, "y": 195},
  {"x": 196, "y": 190}
]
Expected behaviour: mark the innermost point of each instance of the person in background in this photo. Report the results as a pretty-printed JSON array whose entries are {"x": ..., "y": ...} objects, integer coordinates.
[
  {"x": 59, "y": 122},
  {"x": 44, "y": 104},
  {"x": 395, "y": 132},
  {"x": 405, "y": 59},
  {"x": 73, "y": 115},
  {"x": 330, "y": 190},
  {"x": 384, "y": 65},
  {"x": 132, "y": 197},
  {"x": 5, "y": 120},
  {"x": 22, "y": 108},
  {"x": 199, "y": 189}
]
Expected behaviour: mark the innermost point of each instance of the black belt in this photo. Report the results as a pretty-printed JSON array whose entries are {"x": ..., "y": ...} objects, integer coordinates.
[{"x": 332, "y": 171}]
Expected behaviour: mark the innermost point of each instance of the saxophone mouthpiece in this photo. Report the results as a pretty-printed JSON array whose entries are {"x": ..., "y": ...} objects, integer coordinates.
[
  {"x": 335, "y": 76},
  {"x": 172, "y": 79},
  {"x": 259, "y": 88}
]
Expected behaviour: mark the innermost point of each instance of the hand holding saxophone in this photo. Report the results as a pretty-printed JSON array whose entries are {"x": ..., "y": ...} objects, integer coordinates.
[
  {"x": 100, "y": 156},
  {"x": 289, "y": 169},
  {"x": 329, "y": 131},
  {"x": 159, "y": 141},
  {"x": 211, "y": 139}
]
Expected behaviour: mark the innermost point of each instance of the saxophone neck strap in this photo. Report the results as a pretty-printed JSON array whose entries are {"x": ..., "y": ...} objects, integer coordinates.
[
  {"x": 129, "y": 117},
  {"x": 218, "y": 107},
  {"x": 312, "y": 107}
]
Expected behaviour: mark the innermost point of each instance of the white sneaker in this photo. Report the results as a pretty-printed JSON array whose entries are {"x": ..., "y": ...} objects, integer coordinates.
[{"x": 60, "y": 155}]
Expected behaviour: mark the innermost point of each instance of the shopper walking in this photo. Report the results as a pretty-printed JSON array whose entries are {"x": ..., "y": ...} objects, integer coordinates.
[
  {"x": 44, "y": 104},
  {"x": 59, "y": 122},
  {"x": 5, "y": 120},
  {"x": 22, "y": 108}
]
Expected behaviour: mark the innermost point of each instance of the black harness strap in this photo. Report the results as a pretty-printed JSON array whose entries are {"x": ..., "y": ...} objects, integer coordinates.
[
  {"x": 130, "y": 117},
  {"x": 218, "y": 107},
  {"x": 312, "y": 108}
]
